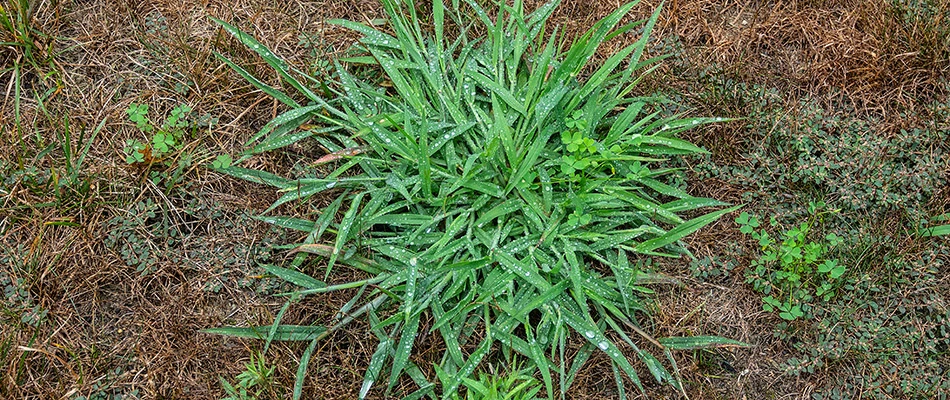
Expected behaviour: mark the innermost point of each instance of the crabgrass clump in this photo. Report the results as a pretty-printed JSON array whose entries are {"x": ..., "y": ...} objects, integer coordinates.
[{"x": 493, "y": 197}]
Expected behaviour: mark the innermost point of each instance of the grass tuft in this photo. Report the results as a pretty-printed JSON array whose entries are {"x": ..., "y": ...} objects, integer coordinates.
[{"x": 483, "y": 186}]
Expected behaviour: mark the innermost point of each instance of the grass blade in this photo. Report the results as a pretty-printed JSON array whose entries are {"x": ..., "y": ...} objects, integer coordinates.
[
  {"x": 680, "y": 231},
  {"x": 699, "y": 342},
  {"x": 294, "y": 333}
]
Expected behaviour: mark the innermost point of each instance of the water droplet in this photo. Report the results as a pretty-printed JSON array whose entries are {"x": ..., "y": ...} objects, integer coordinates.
[
  {"x": 695, "y": 122},
  {"x": 330, "y": 185},
  {"x": 413, "y": 261},
  {"x": 589, "y": 334},
  {"x": 447, "y": 136}
]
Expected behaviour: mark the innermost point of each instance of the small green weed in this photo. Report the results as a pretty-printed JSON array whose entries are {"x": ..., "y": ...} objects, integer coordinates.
[
  {"x": 252, "y": 384},
  {"x": 793, "y": 270},
  {"x": 517, "y": 385},
  {"x": 163, "y": 139},
  {"x": 165, "y": 145}
]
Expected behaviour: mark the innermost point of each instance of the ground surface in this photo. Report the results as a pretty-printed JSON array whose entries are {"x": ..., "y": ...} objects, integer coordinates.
[{"x": 109, "y": 274}]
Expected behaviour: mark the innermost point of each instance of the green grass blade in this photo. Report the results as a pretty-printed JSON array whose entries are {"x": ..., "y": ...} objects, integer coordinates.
[
  {"x": 681, "y": 230},
  {"x": 343, "y": 234},
  {"x": 295, "y": 117},
  {"x": 267, "y": 89},
  {"x": 297, "y": 278},
  {"x": 406, "y": 343},
  {"x": 301, "y": 375},
  {"x": 470, "y": 364},
  {"x": 692, "y": 203},
  {"x": 594, "y": 335},
  {"x": 375, "y": 367},
  {"x": 644, "y": 204},
  {"x": 699, "y": 342},
  {"x": 294, "y": 333},
  {"x": 269, "y": 57},
  {"x": 256, "y": 176}
]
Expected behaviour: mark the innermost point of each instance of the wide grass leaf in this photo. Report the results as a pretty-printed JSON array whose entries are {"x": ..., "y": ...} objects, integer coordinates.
[
  {"x": 682, "y": 230},
  {"x": 699, "y": 342},
  {"x": 297, "y": 333}
]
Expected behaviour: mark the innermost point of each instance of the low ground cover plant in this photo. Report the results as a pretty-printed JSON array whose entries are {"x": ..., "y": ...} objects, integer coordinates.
[{"x": 491, "y": 196}]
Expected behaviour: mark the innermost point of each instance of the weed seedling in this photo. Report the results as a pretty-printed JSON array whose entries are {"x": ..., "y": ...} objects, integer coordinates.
[
  {"x": 793, "y": 270},
  {"x": 163, "y": 139}
]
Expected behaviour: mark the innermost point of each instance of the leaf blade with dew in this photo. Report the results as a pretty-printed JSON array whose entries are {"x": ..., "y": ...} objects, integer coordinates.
[
  {"x": 281, "y": 139},
  {"x": 343, "y": 233},
  {"x": 267, "y": 89},
  {"x": 295, "y": 277},
  {"x": 290, "y": 119},
  {"x": 295, "y": 333},
  {"x": 304, "y": 188},
  {"x": 301, "y": 374},
  {"x": 470, "y": 364},
  {"x": 256, "y": 176},
  {"x": 269, "y": 57},
  {"x": 541, "y": 361},
  {"x": 643, "y": 204},
  {"x": 325, "y": 250},
  {"x": 582, "y": 50},
  {"x": 375, "y": 367},
  {"x": 406, "y": 342},
  {"x": 667, "y": 145},
  {"x": 594, "y": 335},
  {"x": 371, "y": 36},
  {"x": 497, "y": 90},
  {"x": 699, "y": 342},
  {"x": 692, "y": 203},
  {"x": 681, "y": 230},
  {"x": 296, "y": 224}
]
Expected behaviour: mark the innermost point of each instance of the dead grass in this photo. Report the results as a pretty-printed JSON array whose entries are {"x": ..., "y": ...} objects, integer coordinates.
[{"x": 110, "y": 328}]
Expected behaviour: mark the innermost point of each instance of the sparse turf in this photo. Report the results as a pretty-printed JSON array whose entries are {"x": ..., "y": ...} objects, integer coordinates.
[{"x": 111, "y": 269}]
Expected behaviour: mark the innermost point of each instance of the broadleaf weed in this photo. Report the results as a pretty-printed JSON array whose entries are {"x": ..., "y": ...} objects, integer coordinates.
[
  {"x": 163, "y": 139},
  {"x": 793, "y": 270}
]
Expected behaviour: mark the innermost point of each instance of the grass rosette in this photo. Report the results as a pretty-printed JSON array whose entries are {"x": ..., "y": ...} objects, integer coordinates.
[{"x": 486, "y": 188}]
